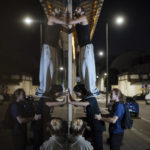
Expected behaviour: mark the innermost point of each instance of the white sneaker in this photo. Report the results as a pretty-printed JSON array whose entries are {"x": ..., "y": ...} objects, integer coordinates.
[{"x": 96, "y": 92}]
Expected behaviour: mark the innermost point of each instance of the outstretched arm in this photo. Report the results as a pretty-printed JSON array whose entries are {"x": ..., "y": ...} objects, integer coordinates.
[
  {"x": 81, "y": 19},
  {"x": 50, "y": 104},
  {"x": 73, "y": 102},
  {"x": 53, "y": 20},
  {"x": 109, "y": 120}
]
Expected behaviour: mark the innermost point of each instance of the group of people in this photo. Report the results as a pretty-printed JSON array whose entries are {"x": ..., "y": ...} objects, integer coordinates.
[
  {"x": 49, "y": 58},
  {"x": 52, "y": 133}
]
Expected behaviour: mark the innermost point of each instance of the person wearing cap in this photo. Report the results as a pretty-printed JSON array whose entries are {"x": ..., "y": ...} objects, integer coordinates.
[
  {"x": 78, "y": 142},
  {"x": 89, "y": 102},
  {"x": 56, "y": 141}
]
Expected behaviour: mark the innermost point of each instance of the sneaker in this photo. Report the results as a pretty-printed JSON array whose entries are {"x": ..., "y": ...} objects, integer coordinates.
[
  {"x": 96, "y": 93},
  {"x": 39, "y": 93}
]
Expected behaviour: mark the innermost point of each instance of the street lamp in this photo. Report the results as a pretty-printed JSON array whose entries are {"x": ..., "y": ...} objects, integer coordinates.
[
  {"x": 119, "y": 21},
  {"x": 101, "y": 53},
  {"x": 29, "y": 21},
  {"x": 61, "y": 68}
]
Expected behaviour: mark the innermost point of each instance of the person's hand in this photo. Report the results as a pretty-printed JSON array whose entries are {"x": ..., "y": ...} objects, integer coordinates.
[
  {"x": 68, "y": 91},
  {"x": 98, "y": 117},
  {"x": 65, "y": 100},
  {"x": 37, "y": 117}
]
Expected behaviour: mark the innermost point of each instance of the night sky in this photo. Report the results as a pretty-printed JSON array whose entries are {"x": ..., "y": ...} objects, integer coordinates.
[{"x": 20, "y": 44}]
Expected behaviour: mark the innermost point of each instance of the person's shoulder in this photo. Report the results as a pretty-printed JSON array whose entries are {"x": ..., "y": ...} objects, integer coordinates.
[
  {"x": 120, "y": 106},
  {"x": 85, "y": 144}
]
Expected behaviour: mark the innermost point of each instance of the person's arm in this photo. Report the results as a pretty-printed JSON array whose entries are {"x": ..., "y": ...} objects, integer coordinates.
[
  {"x": 73, "y": 102},
  {"x": 81, "y": 19},
  {"x": 82, "y": 104},
  {"x": 22, "y": 120},
  {"x": 109, "y": 120},
  {"x": 50, "y": 104},
  {"x": 53, "y": 20}
]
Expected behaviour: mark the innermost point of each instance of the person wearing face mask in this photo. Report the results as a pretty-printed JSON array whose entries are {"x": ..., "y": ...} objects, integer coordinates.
[
  {"x": 19, "y": 130},
  {"x": 115, "y": 128}
]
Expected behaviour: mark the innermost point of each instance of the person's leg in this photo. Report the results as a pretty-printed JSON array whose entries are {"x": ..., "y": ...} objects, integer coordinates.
[
  {"x": 91, "y": 71},
  {"x": 82, "y": 65},
  {"x": 53, "y": 67},
  {"x": 19, "y": 142},
  {"x": 44, "y": 62},
  {"x": 115, "y": 141},
  {"x": 98, "y": 140},
  {"x": 37, "y": 141}
]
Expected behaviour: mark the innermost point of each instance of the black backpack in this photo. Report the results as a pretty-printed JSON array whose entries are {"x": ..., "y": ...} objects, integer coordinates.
[
  {"x": 126, "y": 122},
  {"x": 8, "y": 122}
]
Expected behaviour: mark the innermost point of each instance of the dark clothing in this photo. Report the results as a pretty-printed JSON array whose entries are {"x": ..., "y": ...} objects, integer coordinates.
[
  {"x": 91, "y": 110},
  {"x": 116, "y": 141},
  {"x": 19, "y": 131},
  {"x": 19, "y": 141},
  {"x": 39, "y": 127},
  {"x": 17, "y": 110},
  {"x": 51, "y": 35},
  {"x": 83, "y": 34},
  {"x": 98, "y": 140},
  {"x": 97, "y": 126},
  {"x": 117, "y": 110}
]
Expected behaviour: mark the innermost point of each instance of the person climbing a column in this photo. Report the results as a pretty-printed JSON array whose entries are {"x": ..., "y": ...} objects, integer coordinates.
[
  {"x": 49, "y": 60},
  {"x": 86, "y": 58}
]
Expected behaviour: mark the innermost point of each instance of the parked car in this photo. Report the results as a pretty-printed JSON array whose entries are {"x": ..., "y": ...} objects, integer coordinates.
[
  {"x": 140, "y": 96},
  {"x": 131, "y": 105},
  {"x": 147, "y": 98}
]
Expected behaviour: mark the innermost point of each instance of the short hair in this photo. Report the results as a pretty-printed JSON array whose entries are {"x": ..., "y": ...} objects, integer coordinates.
[
  {"x": 55, "y": 126},
  {"x": 17, "y": 93},
  {"x": 77, "y": 127},
  {"x": 80, "y": 88}
]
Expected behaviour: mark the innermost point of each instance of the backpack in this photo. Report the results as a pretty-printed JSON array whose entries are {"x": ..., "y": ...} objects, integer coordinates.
[
  {"x": 126, "y": 122},
  {"x": 8, "y": 122}
]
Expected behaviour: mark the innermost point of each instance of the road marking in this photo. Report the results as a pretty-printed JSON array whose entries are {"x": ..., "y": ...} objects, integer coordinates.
[
  {"x": 146, "y": 120},
  {"x": 144, "y": 137}
]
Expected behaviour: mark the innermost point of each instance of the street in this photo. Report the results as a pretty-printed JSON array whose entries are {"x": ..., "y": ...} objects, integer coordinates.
[{"x": 138, "y": 138}]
